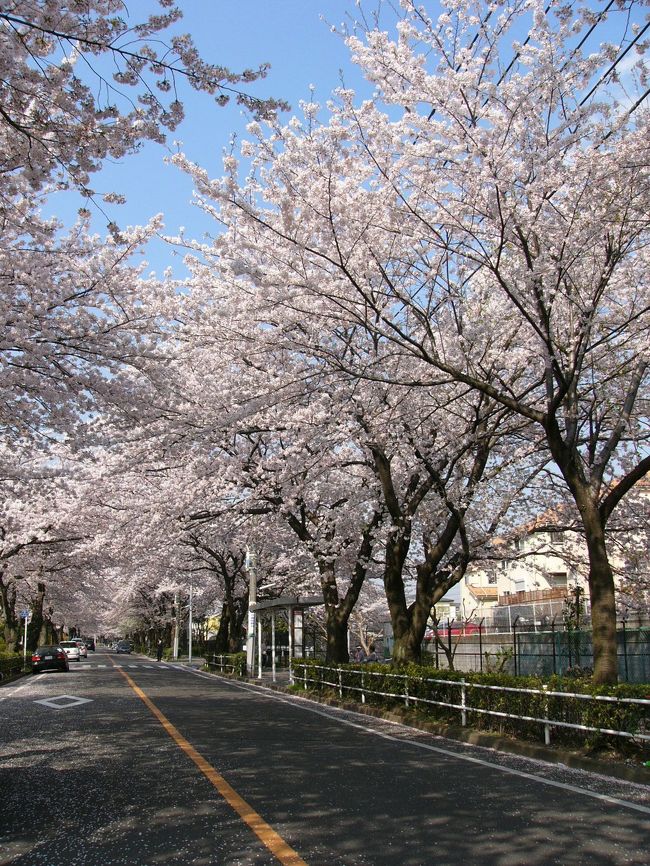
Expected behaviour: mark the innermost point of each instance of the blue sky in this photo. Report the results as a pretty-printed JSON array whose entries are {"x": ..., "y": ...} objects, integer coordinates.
[
  {"x": 292, "y": 36},
  {"x": 288, "y": 34}
]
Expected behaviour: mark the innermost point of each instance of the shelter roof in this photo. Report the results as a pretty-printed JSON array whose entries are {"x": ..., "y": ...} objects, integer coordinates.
[{"x": 287, "y": 601}]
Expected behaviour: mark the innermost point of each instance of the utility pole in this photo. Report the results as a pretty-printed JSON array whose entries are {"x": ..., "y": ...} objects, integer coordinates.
[
  {"x": 176, "y": 625},
  {"x": 252, "y": 599},
  {"x": 26, "y": 616}
]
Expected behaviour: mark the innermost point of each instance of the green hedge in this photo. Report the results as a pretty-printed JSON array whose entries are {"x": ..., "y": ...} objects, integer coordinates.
[
  {"x": 425, "y": 691},
  {"x": 11, "y": 665}
]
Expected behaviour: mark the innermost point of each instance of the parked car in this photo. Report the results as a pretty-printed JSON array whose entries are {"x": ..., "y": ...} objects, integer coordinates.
[
  {"x": 71, "y": 650},
  {"x": 123, "y": 646},
  {"x": 83, "y": 652},
  {"x": 49, "y": 658}
]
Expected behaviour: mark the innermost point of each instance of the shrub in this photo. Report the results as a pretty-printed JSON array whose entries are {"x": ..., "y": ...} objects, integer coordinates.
[
  {"x": 490, "y": 700},
  {"x": 11, "y": 665}
]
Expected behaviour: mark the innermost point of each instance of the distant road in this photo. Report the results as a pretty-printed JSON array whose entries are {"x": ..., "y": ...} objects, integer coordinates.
[{"x": 125, "y": 760}]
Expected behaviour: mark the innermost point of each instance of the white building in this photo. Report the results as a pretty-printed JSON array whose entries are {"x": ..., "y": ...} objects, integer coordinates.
[
  {"x": 534, "y": 577},
  {"x": 538, "y": 575}
]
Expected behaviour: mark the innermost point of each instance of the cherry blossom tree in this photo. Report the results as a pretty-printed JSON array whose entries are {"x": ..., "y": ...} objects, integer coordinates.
[
  {"x": 320, "y": 489},
  {"x": 485, "y": 218},
  {"x": 78, "y": 335},
  {"x": 40, "y": 530},
  {"x": 220, "y": 548},
  {"x": 81, "y": 81},
  {"x": 83, "y": 330}
]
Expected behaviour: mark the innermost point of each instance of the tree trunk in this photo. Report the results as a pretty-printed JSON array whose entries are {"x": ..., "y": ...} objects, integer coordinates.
[
  {"x": 8, "y": 610},
  {"x": 221, "y": 639},
  {"x": 337, "y": 638},
  {"x": 603, "y": 603},
  {"x": 601, "y": 578},
  {"x": 238, "y": 613},
  {"x": 35, "y": 627},
  {"x": 407, "y": 647}
]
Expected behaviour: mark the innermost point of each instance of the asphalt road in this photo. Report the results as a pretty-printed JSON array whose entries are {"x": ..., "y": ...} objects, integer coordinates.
[{"x": 150, "y": 763}]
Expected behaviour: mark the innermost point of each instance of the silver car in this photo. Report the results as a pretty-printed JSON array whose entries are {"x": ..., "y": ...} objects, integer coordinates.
[
  {"x": 71, "y": 649},
  {"x": 83, "y": 650}
]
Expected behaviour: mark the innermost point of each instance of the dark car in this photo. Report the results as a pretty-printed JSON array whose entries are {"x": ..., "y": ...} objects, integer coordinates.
[
  {"x": 90, "y": 643},
  {"x": 123, "y": 646},
  {"x": 49, "y": 658}
]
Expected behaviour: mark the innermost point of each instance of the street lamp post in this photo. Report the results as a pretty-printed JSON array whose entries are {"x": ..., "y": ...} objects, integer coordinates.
[{"x": 190, "y": 625}]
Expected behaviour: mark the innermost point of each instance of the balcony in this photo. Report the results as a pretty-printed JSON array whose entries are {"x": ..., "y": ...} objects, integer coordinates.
[{"x": 532, "y": 596}]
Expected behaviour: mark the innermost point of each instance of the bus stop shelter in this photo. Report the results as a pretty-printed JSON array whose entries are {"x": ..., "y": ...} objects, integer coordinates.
[{"x": 295, "y": 606}]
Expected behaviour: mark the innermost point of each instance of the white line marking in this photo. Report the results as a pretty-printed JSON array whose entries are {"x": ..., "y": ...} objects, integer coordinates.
[
  {"x": 302, "y": 704},
  {"x": 4, "y": 696},
  {"x": 63, "y": 702}
]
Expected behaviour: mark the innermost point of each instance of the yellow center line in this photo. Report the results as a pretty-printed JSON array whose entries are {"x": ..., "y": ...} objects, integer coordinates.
[{"x": 283, "y": 852}]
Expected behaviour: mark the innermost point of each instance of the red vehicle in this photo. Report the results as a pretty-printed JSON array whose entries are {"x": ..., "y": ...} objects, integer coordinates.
[{"x": 457, "y": 628}]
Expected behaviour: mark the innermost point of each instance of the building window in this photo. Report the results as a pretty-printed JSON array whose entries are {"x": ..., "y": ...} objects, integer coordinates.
[
  {"x": 517, "y": 544},
  {"x": 556, "y": 537},
  {"x": 504, "y": 564},
  {"x": 492, "y": 578},
  {"x": 558, "y": 578}
]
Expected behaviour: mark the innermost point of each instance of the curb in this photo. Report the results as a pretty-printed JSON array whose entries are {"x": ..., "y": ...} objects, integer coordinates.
[{"x": 619, "y": 770}]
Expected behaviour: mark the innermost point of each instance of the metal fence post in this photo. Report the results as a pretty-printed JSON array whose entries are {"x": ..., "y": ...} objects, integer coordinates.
[
  {"x": 406, "y": 690},
  {"x": 363, "y": 694},
  {"x": 340, "y": 683},
  {"x": 547, "y": 727},
  {"x": 463, "y": 703},
  {"x": 625, "y": 648},
  {"x": 553, "y": 637}
]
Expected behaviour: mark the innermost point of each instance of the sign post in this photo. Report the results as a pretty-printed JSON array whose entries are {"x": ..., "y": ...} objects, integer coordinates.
[{"x": 25, "y": 615}]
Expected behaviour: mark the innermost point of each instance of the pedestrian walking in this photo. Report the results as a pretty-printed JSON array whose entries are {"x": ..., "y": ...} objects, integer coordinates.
[{"x": 159, "y": 651}]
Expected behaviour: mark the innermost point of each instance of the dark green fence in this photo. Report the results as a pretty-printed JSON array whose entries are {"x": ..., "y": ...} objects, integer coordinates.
[{"x": 561, "y": 652}]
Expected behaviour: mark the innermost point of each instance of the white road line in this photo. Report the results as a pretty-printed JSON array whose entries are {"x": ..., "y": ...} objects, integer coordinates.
[
  {"x": 9, "y": 694},
  {"x": 302, "y": 703}
]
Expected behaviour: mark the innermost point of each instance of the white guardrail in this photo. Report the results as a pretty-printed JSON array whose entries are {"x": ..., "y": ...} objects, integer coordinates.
[
  {"x": 223, "y": 663},
  {"x": 365, "y": 688}
]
